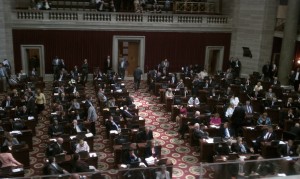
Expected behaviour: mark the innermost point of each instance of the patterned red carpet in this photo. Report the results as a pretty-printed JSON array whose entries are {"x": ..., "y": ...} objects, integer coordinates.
[{"x": 184, "y": 158}]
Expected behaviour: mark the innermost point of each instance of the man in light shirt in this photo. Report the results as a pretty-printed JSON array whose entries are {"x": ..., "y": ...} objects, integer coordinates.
[{"x": 82, "y": 146}]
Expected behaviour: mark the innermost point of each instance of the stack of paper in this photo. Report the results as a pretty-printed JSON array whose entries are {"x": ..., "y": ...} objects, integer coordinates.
[
  {"x": 15, "y": 132},
  {"x": 30, "y": 117},
  {"x": 93, "y": 155},
  {"x": 150, "y": 160},
  {"x": 17, "y": 170},
  {"x": 113, "y": 132},
  {"x": 89, "y": 135}
]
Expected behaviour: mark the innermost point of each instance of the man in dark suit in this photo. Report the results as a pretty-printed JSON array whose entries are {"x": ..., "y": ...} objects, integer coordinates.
[
  {"x": 199, "y": 133},
  {"x": 107, "y": 64},
  {"x": 137, "y": 75},
  {"x": 31, "y": 103},
  {"x": 238, "y": 119},
  {"x": 296, "y": 79},
  {"x": 237, "y": 68},
  {"x": 132, "y": 157},
  {"x": 110, "y": 125},
  {"x": 289, "y": 149},
  {"x": 8, "y": 102},
  {"x": 126, "y": 114},
  {"x": 266, "y": 71},
  {"x": 79, "y": 165},
  {"x": 55, "y": 129},
  {"x": 76, "y": 128},
  {"x": 241, "y": 147},
  {"x": 267, "y": 136},
  {"x": 275, "y": 82},
  {"x": 146, "y": 135},
  {"x": 226, "y": 132},
  {"x": 56, "y": 63},
  {"x": 248, "y": 108},
  {"x": 52, "y": 168},
  {"x": 56, "y": 148},
  {"x": 296, "y": 131}
]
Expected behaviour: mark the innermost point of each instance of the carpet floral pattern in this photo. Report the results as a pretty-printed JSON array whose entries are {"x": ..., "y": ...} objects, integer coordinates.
[{"x": 185, "y": 159}]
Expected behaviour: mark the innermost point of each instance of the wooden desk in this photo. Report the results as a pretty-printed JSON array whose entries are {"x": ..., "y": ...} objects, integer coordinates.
[
  {"x": 269, "y": 151},
  {"x": 7, "y": 172},
  {"x": 174, "y": 112},
  {"x": 207, "y": 151},
  {"x": 66, "y": 164},
  {"x": 162, "y": 95},
  {"x": 149, "y": 172},
  {"x": 169, "y": 103},
  {"x": 118, "y": 152},
  {"x": 67, "y": 145},
  {"x": 22, "y": 156},
  {"x": 25, "y": 137}
]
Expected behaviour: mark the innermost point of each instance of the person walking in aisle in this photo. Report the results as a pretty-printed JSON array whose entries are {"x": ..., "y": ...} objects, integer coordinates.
[{"x": 137, "y": 74}]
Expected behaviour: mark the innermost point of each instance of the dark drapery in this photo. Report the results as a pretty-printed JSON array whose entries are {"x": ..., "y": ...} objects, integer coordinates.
[{"x": 75, "y": 45}]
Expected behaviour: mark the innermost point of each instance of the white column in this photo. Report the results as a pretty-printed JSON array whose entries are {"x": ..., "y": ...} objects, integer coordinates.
[{"x": 6, "y": 40}]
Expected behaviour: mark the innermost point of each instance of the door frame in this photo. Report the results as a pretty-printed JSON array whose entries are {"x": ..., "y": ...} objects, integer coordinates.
[
  {"x": 115, "y": 49},
  {"x": 41, "y": 58},
  {"x": 219, "y": 65}
]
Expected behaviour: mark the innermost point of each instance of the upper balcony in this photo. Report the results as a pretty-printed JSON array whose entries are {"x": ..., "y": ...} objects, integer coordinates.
[{"x": 193, "y": 17}]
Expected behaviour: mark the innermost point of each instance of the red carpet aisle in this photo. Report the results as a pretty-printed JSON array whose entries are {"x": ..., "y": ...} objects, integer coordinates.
[{"x": 184, "y": 158}]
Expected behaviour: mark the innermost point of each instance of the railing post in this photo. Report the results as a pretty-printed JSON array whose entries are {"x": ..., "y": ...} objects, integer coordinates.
[{"x": 114, "y": 17}]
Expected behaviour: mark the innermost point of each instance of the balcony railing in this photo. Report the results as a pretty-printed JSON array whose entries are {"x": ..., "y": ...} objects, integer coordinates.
[{"x": 117, "y": 19}]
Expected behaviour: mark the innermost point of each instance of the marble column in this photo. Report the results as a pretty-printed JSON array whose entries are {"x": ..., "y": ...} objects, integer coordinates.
[{"x": 287, "y": 53}]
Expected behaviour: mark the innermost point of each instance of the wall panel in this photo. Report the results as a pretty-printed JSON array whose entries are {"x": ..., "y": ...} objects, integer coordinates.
[{"x": 74, "y": 45}]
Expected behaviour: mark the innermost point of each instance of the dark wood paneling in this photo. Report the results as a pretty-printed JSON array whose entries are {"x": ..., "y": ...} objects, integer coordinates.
[{"x": 73, "y": 46}]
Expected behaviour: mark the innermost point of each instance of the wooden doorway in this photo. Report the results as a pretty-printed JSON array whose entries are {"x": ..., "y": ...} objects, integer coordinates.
[
  {"x": 33, "y": 57},
  {"x": 214, "y": 59},
  {"x": 132, "y": 48}
]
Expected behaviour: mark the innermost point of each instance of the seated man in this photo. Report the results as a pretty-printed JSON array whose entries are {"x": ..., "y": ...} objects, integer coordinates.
[
  {"x": 169, "y": 94},
  {"x": 126, "y": 114},
  {"x": 82, "y": 146},
  {"x": 226, "y": 132},
  {"x": 52, "y": 168},
  {"x": 289, "y": 149},
  {"x": 163, "y": 173},
  {"x": 56, "y": 129},
  {"x": 55, "y": 148},
  {"x": 241, "y": 147},
  {"x": 267, "y": 136},
  {"x": 76, "y": 128},
  {"x": 81, "y": 166},
  {"x": 199, "y": 133},
  {"x": 146, "y": 135},
  {"x": 7, "y": 102},
  {"x": 132, "y": 158}
]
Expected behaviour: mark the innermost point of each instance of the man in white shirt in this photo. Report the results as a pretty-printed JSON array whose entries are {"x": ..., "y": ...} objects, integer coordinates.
[
  {"x": 296, "y": 79},
  {"x": 82, "y": 146},
  {"x": 229, "y": 111}
]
